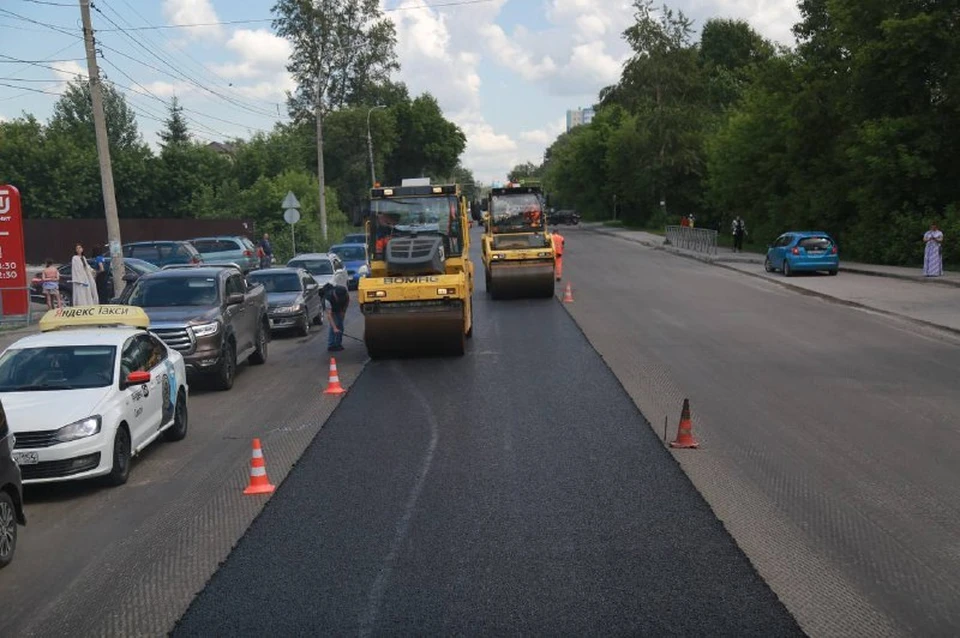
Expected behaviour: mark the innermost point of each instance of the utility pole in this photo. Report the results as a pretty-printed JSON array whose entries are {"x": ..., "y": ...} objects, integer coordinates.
[
  {"x": 320, "y": 175},
  {"x": 103, "y": 153},
  {"x": 373, "y": 174}
]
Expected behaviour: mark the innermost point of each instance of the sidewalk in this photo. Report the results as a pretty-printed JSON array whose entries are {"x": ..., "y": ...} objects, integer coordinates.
[
  {"x": 889, "y": 290},
  {"x": 725, "y": 255}
]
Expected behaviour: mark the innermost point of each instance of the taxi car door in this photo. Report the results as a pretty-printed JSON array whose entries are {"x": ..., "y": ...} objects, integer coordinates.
[{"x": 142, "y": 403}]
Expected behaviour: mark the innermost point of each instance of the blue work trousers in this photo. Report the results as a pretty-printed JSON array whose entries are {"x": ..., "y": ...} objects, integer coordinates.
[{"x": 335, "y": 339}]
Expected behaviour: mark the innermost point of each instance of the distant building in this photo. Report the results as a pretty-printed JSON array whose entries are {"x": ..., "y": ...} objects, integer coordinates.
[
  {"x": 578, "y": 117},
  {"x": 223, "y": 148}
]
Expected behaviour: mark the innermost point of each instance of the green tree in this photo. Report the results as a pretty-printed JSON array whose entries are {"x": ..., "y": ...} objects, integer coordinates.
[
  {"x": 73, "y": 115},
  {"x": 175, "y": 131},
  {"x": 527, "y": 170},
  {"x": 428, "y": 145}
]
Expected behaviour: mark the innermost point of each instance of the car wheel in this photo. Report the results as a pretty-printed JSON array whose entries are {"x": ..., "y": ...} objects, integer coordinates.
[
  {"x": 318, "y": 320},
  {"x": 470, "y": 331},
  {"x": 304, "y": 327},
  {"x": 787, "y": 270},
  {"x": 833, "y": 273},
  {"x": 223, "y": 377},
  {"x": 121, "y": 458},
  {"x": 767, "y": 265},
  {"x": 178, "y": 431},
  {"x": 259, "y": 356},
  {"x": 66, "y": 298},
  {"x": 8, "y": 529}
]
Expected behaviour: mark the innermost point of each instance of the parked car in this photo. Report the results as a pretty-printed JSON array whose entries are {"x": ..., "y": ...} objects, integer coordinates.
[
  {"x": 354, "y": 257},
  {"x": 210, "y": 315},
  {"x": 803, "y": 251},
  {"x": 163, "y": 253},
  {"x": 133, "y": 270},
  {"x": 355, "y": 238},
  {"x": 236, "y": 249},
  {"x": 325, "y": 267},
  {"x": 293, "y": 298},
  {"x": 11, "y": 493},
  {"x": 568, "y": 217}
]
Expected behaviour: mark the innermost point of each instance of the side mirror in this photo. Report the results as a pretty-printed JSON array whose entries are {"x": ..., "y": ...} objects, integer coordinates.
[
  {"x": 138, "y": 378},
  {"x": 235, "y": 298},
  {"x": 130, "y": 277}
]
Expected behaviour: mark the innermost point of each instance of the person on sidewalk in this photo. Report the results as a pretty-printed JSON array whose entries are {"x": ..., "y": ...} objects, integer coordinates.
[
  {"x": 558, "y": 244},
  {"x": 932, "y": 255},
  {"x": 739, "y": 232},
  {"x": 266, "y": 251},
  {"x": 50, "y": 284},
  {"x": 84, "y": 281},
  {"x": 337, "y": 299}
]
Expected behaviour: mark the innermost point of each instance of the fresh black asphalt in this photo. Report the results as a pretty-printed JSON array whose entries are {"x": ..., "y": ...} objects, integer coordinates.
[{"x": 514, "y": 490}]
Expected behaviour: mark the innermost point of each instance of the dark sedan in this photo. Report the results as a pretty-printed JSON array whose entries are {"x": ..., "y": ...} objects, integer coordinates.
[
  {"x": 133, "y": 269},
  {"x": 293, "y": 298},
  {"x": 569, "y": 217}
]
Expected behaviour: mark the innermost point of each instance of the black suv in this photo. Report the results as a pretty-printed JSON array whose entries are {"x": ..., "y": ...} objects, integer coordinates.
[
  {"x": 569, "y": 217},
  {"x": 11, "y": 494}
]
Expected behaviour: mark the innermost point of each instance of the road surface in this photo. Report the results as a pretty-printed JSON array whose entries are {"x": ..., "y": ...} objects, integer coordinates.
[
  {"x": 516, "y": 489},
  {"x": 830, "y": 435},
  {"x": 127, "y": 561}
]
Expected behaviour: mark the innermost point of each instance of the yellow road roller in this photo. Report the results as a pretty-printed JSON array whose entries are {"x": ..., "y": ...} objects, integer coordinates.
[
  {"x": 518, "y": 253},
  {"x": 418, "y": 296}
]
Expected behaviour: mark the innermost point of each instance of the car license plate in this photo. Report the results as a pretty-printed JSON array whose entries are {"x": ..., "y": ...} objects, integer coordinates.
[{"x": 26, "y": 458}]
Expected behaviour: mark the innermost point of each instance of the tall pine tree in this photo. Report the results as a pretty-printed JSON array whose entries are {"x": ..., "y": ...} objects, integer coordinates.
[{"x": 175, "y": 133}]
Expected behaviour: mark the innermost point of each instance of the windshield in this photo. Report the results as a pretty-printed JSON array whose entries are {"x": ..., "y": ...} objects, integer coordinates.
[
  {"x": 277, "y": 282},
  {"x": 522, "y": 212},
  {"x": 313, "y": 266},
  {"x": 175, "y": 291},
  {"x": 57, "y": 368},
  {"x": 406, "y": 216},
  {"x": 350, "y": 253}
]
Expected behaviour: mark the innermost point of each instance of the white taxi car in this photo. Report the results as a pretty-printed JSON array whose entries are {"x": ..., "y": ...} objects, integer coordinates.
[{"x": 89, "y": 392}]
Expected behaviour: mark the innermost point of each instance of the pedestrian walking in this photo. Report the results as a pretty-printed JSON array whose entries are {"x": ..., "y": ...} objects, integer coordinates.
[
  {"x": 932, "y": 253},
  {"x": 558, "y": 244},
  {"x": 84, "y": 280},
  {"x": 739, "y": 232},
  {"x": 337, "y": 299},
  {"x": 266, "y": 251},
  {"x": 50, "y": 284}
]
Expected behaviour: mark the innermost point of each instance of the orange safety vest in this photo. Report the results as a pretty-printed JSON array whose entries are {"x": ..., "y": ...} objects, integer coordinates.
[{"x": 558, "y": 243}]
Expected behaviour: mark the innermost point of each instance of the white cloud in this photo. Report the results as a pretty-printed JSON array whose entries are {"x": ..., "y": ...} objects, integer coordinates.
[
  {"x": 194, "y": 12},
  {"x": 546, "y": 135},
  {"x": 69, "y": 70},
  {"x": 162, "y": 89}
]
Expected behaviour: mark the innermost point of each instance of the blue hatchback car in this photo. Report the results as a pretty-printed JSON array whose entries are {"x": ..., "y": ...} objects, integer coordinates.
[
  {"x": 803, "y": 251},
  {"x": 354, "y": 258}
]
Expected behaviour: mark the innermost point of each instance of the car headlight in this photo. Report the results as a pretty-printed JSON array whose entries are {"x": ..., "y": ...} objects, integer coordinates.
[
  {"x": 79, "y": 429},
  {"x": 287, "y": 310},
  {"x": 363, "y": 271},
  {"x": 206, "y": 329}
]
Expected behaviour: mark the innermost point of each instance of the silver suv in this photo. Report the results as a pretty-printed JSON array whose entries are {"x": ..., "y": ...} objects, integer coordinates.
[{"x": 324, "y": 267}]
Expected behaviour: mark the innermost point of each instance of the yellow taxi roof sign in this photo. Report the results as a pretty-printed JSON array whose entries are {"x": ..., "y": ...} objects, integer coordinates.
[{"x": 93, "y": 317}]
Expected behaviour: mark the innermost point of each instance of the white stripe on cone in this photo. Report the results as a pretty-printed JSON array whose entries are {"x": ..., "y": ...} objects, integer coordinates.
[
  {"x": 258, "y": 471},
  {"x": 257, "y": 453}
]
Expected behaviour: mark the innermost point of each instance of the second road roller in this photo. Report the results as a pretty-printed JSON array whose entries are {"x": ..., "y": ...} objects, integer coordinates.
[
  {"x": 418, "y": 296},
  {"x": 519, "y": 259}
]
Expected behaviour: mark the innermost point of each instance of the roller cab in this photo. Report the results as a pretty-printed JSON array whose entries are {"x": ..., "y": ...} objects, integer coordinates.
[
  {"x": 417, "y": 299},
  {"x": 518, "y": 253}
]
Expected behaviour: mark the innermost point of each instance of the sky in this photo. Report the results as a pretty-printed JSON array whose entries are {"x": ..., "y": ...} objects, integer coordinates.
[{"x": 505, "y": 71}]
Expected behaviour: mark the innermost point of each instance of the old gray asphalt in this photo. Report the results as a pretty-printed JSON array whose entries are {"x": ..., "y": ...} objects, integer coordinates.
[
  {"x": 514, "y": 490},
  {"x": 830, "y": 435},
  {"x": 127, "y": 561}
]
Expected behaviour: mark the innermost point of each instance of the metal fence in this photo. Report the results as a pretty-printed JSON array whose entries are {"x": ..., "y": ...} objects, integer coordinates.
[{"x": 701, "y": 240}]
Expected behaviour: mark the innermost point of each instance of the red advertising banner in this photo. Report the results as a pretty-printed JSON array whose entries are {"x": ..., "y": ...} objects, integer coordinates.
[{"x": 14, "y": 295}]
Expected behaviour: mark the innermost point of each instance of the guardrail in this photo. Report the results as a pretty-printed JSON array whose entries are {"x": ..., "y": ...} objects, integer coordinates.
[{"x": 701, "y": 240}]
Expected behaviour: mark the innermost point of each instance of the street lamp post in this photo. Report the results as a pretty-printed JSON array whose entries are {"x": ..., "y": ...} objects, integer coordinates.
[{"x": 373, "y": 175}]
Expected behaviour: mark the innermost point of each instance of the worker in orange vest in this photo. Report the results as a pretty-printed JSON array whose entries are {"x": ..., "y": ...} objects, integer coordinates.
[{"x": 558, "y": 243}]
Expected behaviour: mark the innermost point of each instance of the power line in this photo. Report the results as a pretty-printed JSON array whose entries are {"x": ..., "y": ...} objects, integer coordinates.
[
  {"x": 53, "y": 27},
  {"x": 49, "y": 4},
  {"x": 159, "y": 27},
  {"x": 31, "y": 90}
]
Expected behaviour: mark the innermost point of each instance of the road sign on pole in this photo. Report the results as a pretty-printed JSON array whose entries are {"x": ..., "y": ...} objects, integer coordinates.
[
  {"x": 290, "y": 201},
  {"x": 292, "y": 216}
]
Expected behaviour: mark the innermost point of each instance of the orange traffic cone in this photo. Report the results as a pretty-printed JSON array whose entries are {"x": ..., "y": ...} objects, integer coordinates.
[
  {"x": 685, "y": 429},
  {"x": 568, "y": 295},
  {"x": 334, "y": 386},
  {"x": 259, "y": 483}
]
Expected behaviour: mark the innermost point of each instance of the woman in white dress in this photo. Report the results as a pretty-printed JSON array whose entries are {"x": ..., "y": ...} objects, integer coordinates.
[
  {"x": 84, "y": 280},
  {"x": 932, "y": 257}
]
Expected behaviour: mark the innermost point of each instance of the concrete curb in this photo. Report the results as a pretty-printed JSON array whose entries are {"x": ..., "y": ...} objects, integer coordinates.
[{"x": 708, "y": 259}]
